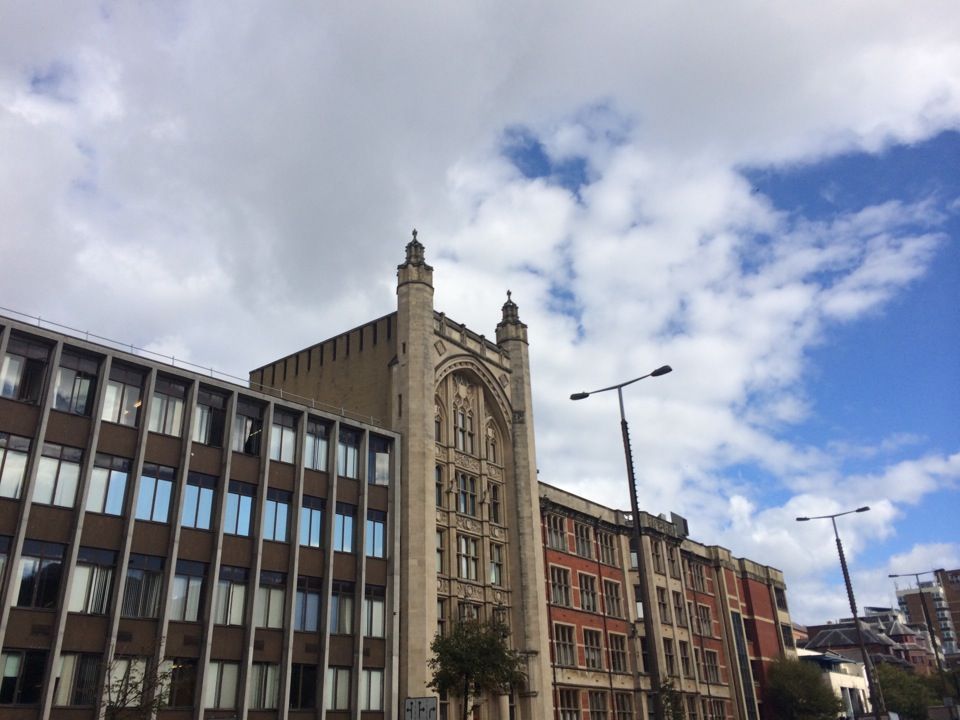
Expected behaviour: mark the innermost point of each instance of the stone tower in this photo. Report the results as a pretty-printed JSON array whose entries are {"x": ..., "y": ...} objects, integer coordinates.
[{"x": 470, "y": 540}]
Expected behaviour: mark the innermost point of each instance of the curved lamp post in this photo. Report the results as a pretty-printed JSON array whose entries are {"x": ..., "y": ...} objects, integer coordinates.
[
  {"x": 876, "y": 697},
  {"x": 648, "y": 623}
]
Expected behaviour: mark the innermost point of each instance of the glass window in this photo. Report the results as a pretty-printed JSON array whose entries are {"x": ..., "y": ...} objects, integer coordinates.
[
  {"x": 122, "y": 401},
  {"x": 141, "y": 594},
  {"x": 209, "y": 418},
  {"x": 618, "y": 653},
  {"x": 464, "y": 431},
  {"x": 306, "y": 610},
  {"x": 584, "y": 540},
  {"x": 263, "y": 686},
  {"x": 711, "y": 666},
  {"x": 92, "y": 581},
  {"x": 303, "y": 687},
  {"x": 187, "y": 593},
  {"x": 608, "y": 551},
  {"x": 374, "y": 604},
  {"x": 569, "y": 705},
  {"x": 468, "y": 557},
  {"x": 593, "y": 649},
  {"x": 198, "y": 501},
  {"x": 76, "y": 383},
  {"x": 22, "y": 680},
  {"x": 343, "y": 527},
  {"x": 685, "y": 668},
  {"x": 240, "y": 498},
  {"x": 283, "y": 437},
  {"x": 669, "y": 656},
  {"x": 247, "y": 427},
  {"x": 77, "y": 680},
  {"x": 597, "y": 700},
  {"x": 375, "y": 536},
  {"x": 341, "y": 608},
  {"x": 220, "y": 691},
  {"x": 14, "y": 451},
  {"x": 496, "y": 564},
  {"x": 338, "y": 688},
  {"x": 440, "y": 552},
  {"x": 560, "y": 586},
  {"x": 588, "y": 592},
  {"x": 565, "y": 645},
  {"x": 126, "y": 678},
  {"x": 467, "y": 495},
  {"x": 378, "y": 460},
  {"x": 231, "y": 596},
  {"x": 153, "y": 495},
  {"x": 656, "y": 548},
  {"x": 673, "y": 560},
  {"x": 662, "y": 605},
  {"x": 58, "y": 475},
  {"x": 183, "y": 682},
  {"x": 166, "y": 407},
  {"x": 23, "y": 369},
  {"x": 439, "y": 490},
  {"x": 678, "y": 610},
  {"x": 623, "y": 706},
  {"x": 371, "y": 689},
  {"x": 611, "y": 593},
  {"x": 41, "y": 566},
  {"x": 311, "y": 521},
  {"x": 315, "y": 452},
  {"x": 556, "y": 532},
  {"x": 108, "y": 484},
  {"x": 495, "y": 504},
  {"x": 276, "y": 511},
  {"x": 348, "y": 453},
  {"x": 268, "y": 611}
]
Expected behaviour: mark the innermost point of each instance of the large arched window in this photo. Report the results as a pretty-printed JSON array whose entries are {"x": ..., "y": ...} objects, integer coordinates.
[{"x": 463, "y": 427}]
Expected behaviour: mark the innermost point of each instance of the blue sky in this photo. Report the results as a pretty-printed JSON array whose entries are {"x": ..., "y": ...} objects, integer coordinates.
[{"x": 764, "y": 197}]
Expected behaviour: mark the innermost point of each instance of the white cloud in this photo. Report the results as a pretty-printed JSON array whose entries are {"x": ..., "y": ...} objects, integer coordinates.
[{"x": 232, "y": 183}]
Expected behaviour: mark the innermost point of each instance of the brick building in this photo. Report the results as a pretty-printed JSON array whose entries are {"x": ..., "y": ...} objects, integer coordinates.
[{"x": 721, "y": 620}]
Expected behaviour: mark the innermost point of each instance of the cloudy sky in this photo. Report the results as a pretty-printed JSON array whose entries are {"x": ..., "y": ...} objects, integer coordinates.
[{"x": 766, "y": 196}]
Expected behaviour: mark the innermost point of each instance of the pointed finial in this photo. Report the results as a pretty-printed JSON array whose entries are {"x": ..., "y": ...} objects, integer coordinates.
[
  {"x": 415, "y": 252},
  {"x": 508, "y": 295},
  {"x": 414, "y": 233}
]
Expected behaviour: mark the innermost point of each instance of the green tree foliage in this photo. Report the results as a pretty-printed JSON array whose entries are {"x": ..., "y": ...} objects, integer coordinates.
[
  {"x": 904, "y": 692},
  {"x": 672, "y": 700},
  {"x": 474, "y": 659},
  {"x": 796, "y": 691}
]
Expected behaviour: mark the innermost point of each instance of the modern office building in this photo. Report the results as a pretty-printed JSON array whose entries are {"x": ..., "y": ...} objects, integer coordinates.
[
  {"x": 719, "y": 620},
  {"x": 170, "y": 533}
]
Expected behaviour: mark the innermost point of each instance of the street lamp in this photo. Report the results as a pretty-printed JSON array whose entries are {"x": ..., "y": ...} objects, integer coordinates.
[
  {"x": 876, "y": 697},
  {"x": 649, "y": 627},
  {"x": 926, "y": 619}
]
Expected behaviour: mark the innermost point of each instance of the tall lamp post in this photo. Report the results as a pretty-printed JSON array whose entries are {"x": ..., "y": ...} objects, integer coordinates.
[
  {"x": 926, "y": 619},
  {"x": 876, "y": 697},
  {"x": 649, "y": 627}
]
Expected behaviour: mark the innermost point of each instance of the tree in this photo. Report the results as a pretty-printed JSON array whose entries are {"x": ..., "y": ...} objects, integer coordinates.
[
  {"x": 672, "y": 700},
  {"x": 135, "y": 688},
  {"x": 904, "y": 692},
  {"x": 796, "y": 691},
  {"x": 473, "y": 659}
]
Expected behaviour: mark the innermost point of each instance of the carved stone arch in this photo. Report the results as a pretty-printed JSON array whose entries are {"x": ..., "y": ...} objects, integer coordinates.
[{"x": 486, "y": 379}]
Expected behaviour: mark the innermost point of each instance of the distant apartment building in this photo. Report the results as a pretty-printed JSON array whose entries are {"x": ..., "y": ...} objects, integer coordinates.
[
  {"x": 941, "y": 596},
  {"x": 720, "y": 620}
]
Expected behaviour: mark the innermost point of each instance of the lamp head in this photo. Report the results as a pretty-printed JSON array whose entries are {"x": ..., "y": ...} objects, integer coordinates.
[
  {"x": 580, "y": 396},
  {"x": 863, "y": 509},
  {"x": 661, "y": 371},
  {"x": 802, "y": 519}
]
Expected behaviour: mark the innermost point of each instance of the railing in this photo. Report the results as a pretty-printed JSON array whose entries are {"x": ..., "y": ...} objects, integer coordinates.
[{"x": 186, "y": 364}]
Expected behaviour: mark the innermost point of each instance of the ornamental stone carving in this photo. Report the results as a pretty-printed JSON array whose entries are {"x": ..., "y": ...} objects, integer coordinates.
[
  {"x": 465, "y": 523},
  {"x": 497, "y": 533},
  {"x": 443, "y": 586},
  {"x": 441, "y": 348},
  {"x": 493, "y": 471},
  {"x": 467, "y": 462}
]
